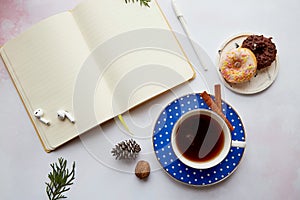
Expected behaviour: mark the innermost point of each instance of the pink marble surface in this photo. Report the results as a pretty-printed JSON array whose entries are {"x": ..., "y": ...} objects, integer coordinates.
[{"x": 17, "y": 16}]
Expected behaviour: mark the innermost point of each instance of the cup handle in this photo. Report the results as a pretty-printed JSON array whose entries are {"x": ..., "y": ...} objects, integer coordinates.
[{"x": 238, "y": 144}]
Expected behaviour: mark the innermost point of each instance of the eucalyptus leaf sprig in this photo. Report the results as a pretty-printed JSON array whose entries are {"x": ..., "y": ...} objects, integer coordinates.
[
  {"x": 60, "y": 179},
  {"x": 142, "y": 2}
]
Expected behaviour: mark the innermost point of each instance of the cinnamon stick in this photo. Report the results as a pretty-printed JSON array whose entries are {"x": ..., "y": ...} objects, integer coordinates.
[
  {"x": 218, "y": 98},
  {"x": 208, "y": 100}
]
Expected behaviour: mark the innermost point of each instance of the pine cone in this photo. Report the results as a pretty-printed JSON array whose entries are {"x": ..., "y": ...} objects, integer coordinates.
[{"x": 127, "y": 149}]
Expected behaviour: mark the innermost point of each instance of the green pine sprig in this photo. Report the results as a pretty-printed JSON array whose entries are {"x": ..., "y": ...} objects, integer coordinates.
[
  {"x": 142, "y": 2},
  {"x": 60, "y": 180}
]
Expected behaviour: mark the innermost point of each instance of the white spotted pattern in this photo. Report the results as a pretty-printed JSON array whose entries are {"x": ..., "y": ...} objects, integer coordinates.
[{"x": 169, "y": 161}]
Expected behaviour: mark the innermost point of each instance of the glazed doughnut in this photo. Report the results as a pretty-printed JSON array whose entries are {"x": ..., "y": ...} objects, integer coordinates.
[
  {"x": 238, "y": 65},
  {"x": 263, "y": 48}
]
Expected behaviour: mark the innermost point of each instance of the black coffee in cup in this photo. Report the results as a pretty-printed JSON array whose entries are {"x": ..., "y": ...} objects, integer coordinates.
[{"x": 199, "y": 138}]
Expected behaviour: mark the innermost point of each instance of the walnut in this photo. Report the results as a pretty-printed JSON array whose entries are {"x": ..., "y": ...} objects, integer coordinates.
[{"x": 142, "y": 169}]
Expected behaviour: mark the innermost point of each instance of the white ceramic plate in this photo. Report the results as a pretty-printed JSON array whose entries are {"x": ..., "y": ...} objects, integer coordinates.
[{"x": 264, "y": 77}]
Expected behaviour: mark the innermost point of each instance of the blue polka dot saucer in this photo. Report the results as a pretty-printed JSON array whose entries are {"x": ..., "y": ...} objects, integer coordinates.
[{"x": 177, "y": 169}]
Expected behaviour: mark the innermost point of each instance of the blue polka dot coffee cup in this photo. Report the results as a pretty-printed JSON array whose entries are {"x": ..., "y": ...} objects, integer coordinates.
[{"x": 201, "y": 139}]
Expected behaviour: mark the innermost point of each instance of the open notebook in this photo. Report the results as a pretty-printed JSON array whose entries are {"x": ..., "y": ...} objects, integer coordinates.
[{"x": 62, "y": 63}]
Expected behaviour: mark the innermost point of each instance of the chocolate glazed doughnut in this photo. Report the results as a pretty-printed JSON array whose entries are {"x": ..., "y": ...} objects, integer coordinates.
[{"x": 263, "y": 48}]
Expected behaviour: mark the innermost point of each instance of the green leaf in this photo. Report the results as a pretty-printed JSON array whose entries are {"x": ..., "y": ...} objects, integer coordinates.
[
  {"x": 60, "y": 179},
  {"x": 142, "y": 2}
]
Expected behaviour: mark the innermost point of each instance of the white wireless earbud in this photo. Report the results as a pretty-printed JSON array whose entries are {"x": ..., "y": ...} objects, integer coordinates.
[
  {"x": 62, "y": 114},
  {"x": 39, "y": 113}
]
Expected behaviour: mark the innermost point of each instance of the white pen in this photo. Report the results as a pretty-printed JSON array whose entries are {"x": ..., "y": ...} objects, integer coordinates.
[{"x": 184, "y": 26}]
